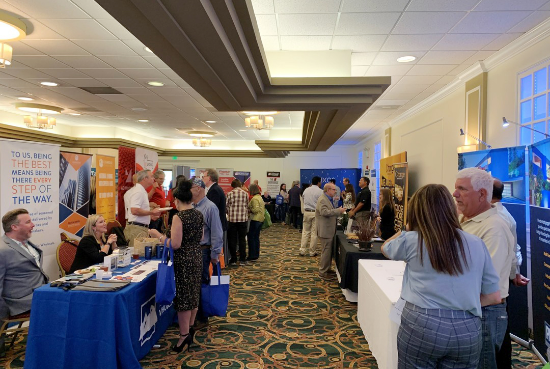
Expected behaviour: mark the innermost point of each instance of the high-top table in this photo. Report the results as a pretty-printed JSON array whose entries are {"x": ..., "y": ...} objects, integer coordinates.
[
  {"x": 379, "y": 289},
  {"x": 81, "y": 329}
]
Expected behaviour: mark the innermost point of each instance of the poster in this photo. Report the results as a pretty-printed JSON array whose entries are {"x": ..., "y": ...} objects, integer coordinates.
[
  {"x": 400, "y": 190},
  {"x": 200, "y": 172},
  {"x": 105, "y": 187},
  {"x": 273, "y": 183},
  {"x": 387, "y": 179},
  {"x": 146, "y": 159},
  {"x": 30, "y": 180},
  {"x": 244, "y": 177},
  {"x": 74, "y": 192},
  {"x": 126, "y": 169},
  {"x": 225, "y": 177}
]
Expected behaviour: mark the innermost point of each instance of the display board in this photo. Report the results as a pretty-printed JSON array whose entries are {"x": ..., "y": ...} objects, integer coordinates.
[
  {"x": 400, "y": 191},
  {"x": 126, "y": 169},
  {"x": 225, "y": 177},
  {"x": 244, "y": 177},
  {"x": 146, "y": 159},
  {"x": 273, "y": 183},
  {"x": 105, "y": 188},
  {"x": 354, "y": 174}
]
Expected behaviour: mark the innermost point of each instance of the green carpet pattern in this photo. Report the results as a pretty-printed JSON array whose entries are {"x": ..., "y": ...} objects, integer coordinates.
[{"x": 281, "y": 315}]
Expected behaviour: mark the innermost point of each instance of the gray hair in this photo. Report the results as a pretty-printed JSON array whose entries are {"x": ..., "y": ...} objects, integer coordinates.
[
  {"x": 213, "y": 174},
  {"x": 480, "y": 179},
  {"x": 328, "y": 186},
  {"x": 158, "y": 173},
  {"x": 141, "y": 175}
]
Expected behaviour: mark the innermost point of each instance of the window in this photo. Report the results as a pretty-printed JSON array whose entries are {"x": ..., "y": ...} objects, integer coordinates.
[{"x": 534, "y": 112}]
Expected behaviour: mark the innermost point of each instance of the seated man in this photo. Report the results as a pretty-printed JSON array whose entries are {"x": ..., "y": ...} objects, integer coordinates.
[
  {"x": 20, "y": 265},
  {"x": 266, "y": 197}
]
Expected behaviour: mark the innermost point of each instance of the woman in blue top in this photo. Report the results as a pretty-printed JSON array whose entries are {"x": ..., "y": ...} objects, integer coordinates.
[{"x": 448, "y": 276}]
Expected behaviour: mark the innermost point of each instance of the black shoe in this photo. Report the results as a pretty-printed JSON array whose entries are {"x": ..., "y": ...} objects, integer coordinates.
[{"x": 185, "y": 344}]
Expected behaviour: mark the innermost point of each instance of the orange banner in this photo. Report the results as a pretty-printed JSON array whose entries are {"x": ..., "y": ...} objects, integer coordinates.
[{"x": 105, "y": 187}]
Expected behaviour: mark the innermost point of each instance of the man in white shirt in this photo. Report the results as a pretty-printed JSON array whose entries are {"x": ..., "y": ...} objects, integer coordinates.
[
  {"x": 473, "y": 193},
  {"x": 140, "y": 214},
  {"x": 127, "y": 196},
  {"x": 309, "y": 232}
]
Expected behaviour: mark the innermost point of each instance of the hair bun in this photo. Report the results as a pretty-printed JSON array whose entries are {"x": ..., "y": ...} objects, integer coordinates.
[{"x": 185, "y": 185}]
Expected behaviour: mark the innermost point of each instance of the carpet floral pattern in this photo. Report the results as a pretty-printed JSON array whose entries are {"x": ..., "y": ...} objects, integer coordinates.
[{"x": 281, "y": 315}]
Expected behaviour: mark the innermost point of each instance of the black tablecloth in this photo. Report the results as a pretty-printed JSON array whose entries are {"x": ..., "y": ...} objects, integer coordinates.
[
  {"x": 347, "y": 258},
  {"x": 271, "y": 210}
]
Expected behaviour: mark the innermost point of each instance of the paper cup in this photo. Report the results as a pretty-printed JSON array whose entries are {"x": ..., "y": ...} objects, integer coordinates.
[{"x": 99, "y": 274}]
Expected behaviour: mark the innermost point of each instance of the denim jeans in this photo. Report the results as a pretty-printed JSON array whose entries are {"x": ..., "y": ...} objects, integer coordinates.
[
  {"x": 493, "y": 328},
  {"x": 254, "y": 240}
]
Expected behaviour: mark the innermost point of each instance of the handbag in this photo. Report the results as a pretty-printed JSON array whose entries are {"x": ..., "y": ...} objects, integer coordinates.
[
  {"x": 215, "y": 295},
  {"x": 267, "y": 220},
  {"x": 166, "y": 280}
]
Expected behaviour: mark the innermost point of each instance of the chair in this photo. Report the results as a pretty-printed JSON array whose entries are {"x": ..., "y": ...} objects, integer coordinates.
[
  {"x": 110, "y": 225},
  {"x": 12, "y": 333},
  {"x": 66, "y": 252}
]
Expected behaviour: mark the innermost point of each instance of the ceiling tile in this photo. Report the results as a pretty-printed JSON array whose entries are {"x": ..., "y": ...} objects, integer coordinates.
[
  {"x": 430, "y": 70},
  {"x": 83, "y": 82},
  {"x": 116, "y": 28},
  {"x": 445, "y": 57},
  {"x": 26, "y": 73},
  {"x": 545, "y": 6},
  {"x": 415, "y": 23},
  {"x": 105, "y": 47},
  {"x": 155, "y": 62},
  {"x": 267, "y": 24},
  {"x": 410, "y": 88},
  {"x": 306, "y": 6},
  {"x": 394, "y": 95},
  {"x": 65, "y": 73},
  {"x": 489, "y": 22},
  {"x": 82, "y": 61},
  {"x": 464, "y": 41},
  {"x": 358, "y": 43},
  {"x": 305, "y": 42},
  {"x": 438, "y": 5},
  {"x": 415, "y": 80},
  {"x": 490, "y": 5},
  {"x": 79, "y": 28},
  {"x": 366, "y": 23},
  {"x": 362, "y": 58},
  {"x": 270, "y": 43},
  {"x": 358, "y": 71},
  {"x": 143, "y": 81},
  {"x": 143, "y": 73},
  {"x": 461, "y": 68},
  {"x": 355, "y": 6},
  {"x": 40, "y": 61},
  {"x": 446, "y": 79},
  {"x": 307, "y": 24},
  {"x": 19, "y": 48},
  {"x": 389, "y": 70},
  {"x": 263, "y": 6},
  {"x": 479, "y": 56},
  {"x": 531, "y": 21},
  {"x": 103, "y": 73},
  {"x": 51, "y": 9},
  {"x": 390, "y": 58},
  {"x": 502, "y": 41},
  {"x": 56, "y": 47},
  {"x": 135, "y": 91},
  {"x": 41, "y": 32},
  {"x": 170, "y": 74},
  {"x": 411, "y": 42},
  {"x": 126, "y": 61},
  {"x": 17, "y": 83},
  {"x": 119, "y": 82},
  {"x": 92, "y": 8},
  {"x": 137, "y": 46}
]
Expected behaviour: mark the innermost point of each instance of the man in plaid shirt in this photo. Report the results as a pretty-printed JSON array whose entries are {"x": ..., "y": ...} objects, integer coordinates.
[{"x": 237, "y": 218}]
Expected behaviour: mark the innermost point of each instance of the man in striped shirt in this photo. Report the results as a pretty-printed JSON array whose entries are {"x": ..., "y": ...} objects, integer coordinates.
[{"x": 237, "y": 218}]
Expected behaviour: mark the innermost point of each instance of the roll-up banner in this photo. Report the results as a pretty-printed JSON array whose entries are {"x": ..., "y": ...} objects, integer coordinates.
[
  {"x": 273, "y": 183},
  {"x": 400, "y": 190},
  {"x": 126, "y": 169},
  {"x": 105, "y": 187},
  {"x": 146, "y": 159},
  {"x": 388, "y": 180},
  {"x": 29, "y": 179},
  {"x": 225, "y": 177},
  {"x": 244, "y": 177}
]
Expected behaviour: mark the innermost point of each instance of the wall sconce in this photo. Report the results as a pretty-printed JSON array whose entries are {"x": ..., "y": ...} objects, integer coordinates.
[{"x": 506, "y": 123}]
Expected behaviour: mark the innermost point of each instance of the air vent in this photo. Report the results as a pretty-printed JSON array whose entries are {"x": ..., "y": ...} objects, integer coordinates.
[{"x": 101, "y": 90}]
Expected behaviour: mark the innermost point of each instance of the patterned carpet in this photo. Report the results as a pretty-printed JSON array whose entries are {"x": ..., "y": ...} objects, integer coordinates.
[{"x": 281, "y": 315}]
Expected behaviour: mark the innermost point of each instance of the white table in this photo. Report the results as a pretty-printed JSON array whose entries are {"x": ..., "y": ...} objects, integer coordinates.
[{"x": 379, "y": 288}]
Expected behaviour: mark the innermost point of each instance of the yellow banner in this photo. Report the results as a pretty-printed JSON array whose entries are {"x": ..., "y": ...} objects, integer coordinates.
[
  {"x": 105, "y": 187},
  {"x": 397, "y": 184}
]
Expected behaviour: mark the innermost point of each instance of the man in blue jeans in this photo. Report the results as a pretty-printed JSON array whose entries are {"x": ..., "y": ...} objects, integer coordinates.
[
  {"x": 473, "y": 194},
  {"x": 212, "y": 239}
]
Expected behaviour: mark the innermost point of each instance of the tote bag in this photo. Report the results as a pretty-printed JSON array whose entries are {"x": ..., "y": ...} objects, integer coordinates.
[
  {"x": 267, "y": 220},
  {"x": 215, "y": 296},
  {"x": 166, "y": 280}
]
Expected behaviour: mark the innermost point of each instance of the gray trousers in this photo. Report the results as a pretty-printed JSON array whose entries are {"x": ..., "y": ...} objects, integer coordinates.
[{"x": 326, "y": 254}]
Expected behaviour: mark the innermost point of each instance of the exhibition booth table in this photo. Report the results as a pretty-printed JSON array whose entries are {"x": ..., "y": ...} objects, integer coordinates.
[
  {"x": 347, "y": 256},
  {"x": 379, "y": 289},
  {"x": 81, "y": 329}
]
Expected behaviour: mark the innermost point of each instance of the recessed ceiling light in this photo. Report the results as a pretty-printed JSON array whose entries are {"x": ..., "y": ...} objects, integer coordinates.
[
  {"x": 25, "y": 98},
  {"x": 406, "y": 59},
  {"x": 260, "y": 112},
  {"x": 156, "y": 84},
  {"x": 75, "y": 114},
  {"x": 11, "y": 28},
  {"x": 139, "y": 109},
  {"x": 143, "y": 120},
  {"x": 210, "y": 121},
  {"x": 147, "y": 49},
  {"x": 50, "y": 84},
  {"x": 242, "y": 130}
]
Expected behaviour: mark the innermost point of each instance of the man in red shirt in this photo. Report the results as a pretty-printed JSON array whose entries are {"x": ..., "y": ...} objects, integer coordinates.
[{"x": 157, "y": 198}]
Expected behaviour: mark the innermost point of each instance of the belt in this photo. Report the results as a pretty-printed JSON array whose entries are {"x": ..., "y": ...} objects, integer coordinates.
[
  {"x": 139, "y": 224},
  {"x": 442, "y": 313},
  {"x": 309, "y": 209},
  {"x": 206, "y": 247}
]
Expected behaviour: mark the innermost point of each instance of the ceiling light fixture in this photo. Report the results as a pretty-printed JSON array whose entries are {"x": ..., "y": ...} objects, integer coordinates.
[
  {"x": 6, "y": 52},
  {"x": 41, "y": 121},
  {"x": 506, "y": 123},
  {"x": 143, "y": 120},
  {"x": 406, "y": 59},
  {"x": 259, "y": 122},
  {"x": 210, "y": 121},
  {"x": 155, "y": 84},
  {"x": 25, "y": 98},
  {"x": 260, "y": 112},
  {"x": 148, "y": 50},
  {"x": 201, "y": 141},
  {"x": 76, "y": 114},
  {"x": 11, "y": 28},
  {"x": 49, "y": 84}
]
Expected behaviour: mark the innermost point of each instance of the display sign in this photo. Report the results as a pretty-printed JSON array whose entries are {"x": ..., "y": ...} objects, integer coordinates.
[
  {"x": 105, "y": 187},
  {"x": 273, "y": 183},
  {"x": 126, "y": 169},
  {"x": 400, "y": 191},
  {"x": 146, "y": 159},
  {"x": 244, "y": 177},
  {"x": 373, "y": 173},
  {"x": 225, "y": 177}
]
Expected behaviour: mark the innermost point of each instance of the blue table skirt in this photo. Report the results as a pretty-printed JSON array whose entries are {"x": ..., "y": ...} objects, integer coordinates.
[{"x": 81, "y": 329}]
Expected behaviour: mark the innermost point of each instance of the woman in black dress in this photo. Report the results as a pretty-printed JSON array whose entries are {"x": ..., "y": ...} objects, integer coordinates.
[
  {"x": 93, "y": 246},
  {"x": 387, "y": 214},
  {"x": 186, "y": 232}
]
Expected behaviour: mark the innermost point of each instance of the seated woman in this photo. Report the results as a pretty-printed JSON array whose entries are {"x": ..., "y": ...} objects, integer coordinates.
[
  {"x": 387, "y": 214},
  {"x": 448, "y": 276},
  {"x": 94, "y": 246}
]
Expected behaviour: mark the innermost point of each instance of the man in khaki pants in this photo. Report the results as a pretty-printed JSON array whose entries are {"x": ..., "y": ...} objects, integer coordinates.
[
  {"x": 325, "y": 219},
  {"x": 309, "y": 232}
]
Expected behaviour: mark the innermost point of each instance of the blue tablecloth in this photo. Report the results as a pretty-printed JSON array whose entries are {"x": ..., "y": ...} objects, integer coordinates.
[{"x": 80, "y": 329}]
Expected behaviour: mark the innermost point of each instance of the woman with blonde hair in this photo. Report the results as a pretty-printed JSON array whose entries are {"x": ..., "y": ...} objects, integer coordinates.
[
  {"x": 94, "y": 245},
  {"x": 387, "y": 214},
  {"x": 448, "y": 276}
]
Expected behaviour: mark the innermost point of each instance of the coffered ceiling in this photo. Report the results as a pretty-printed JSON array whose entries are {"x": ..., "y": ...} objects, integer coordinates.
[{"x": 213, "y": 66}]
